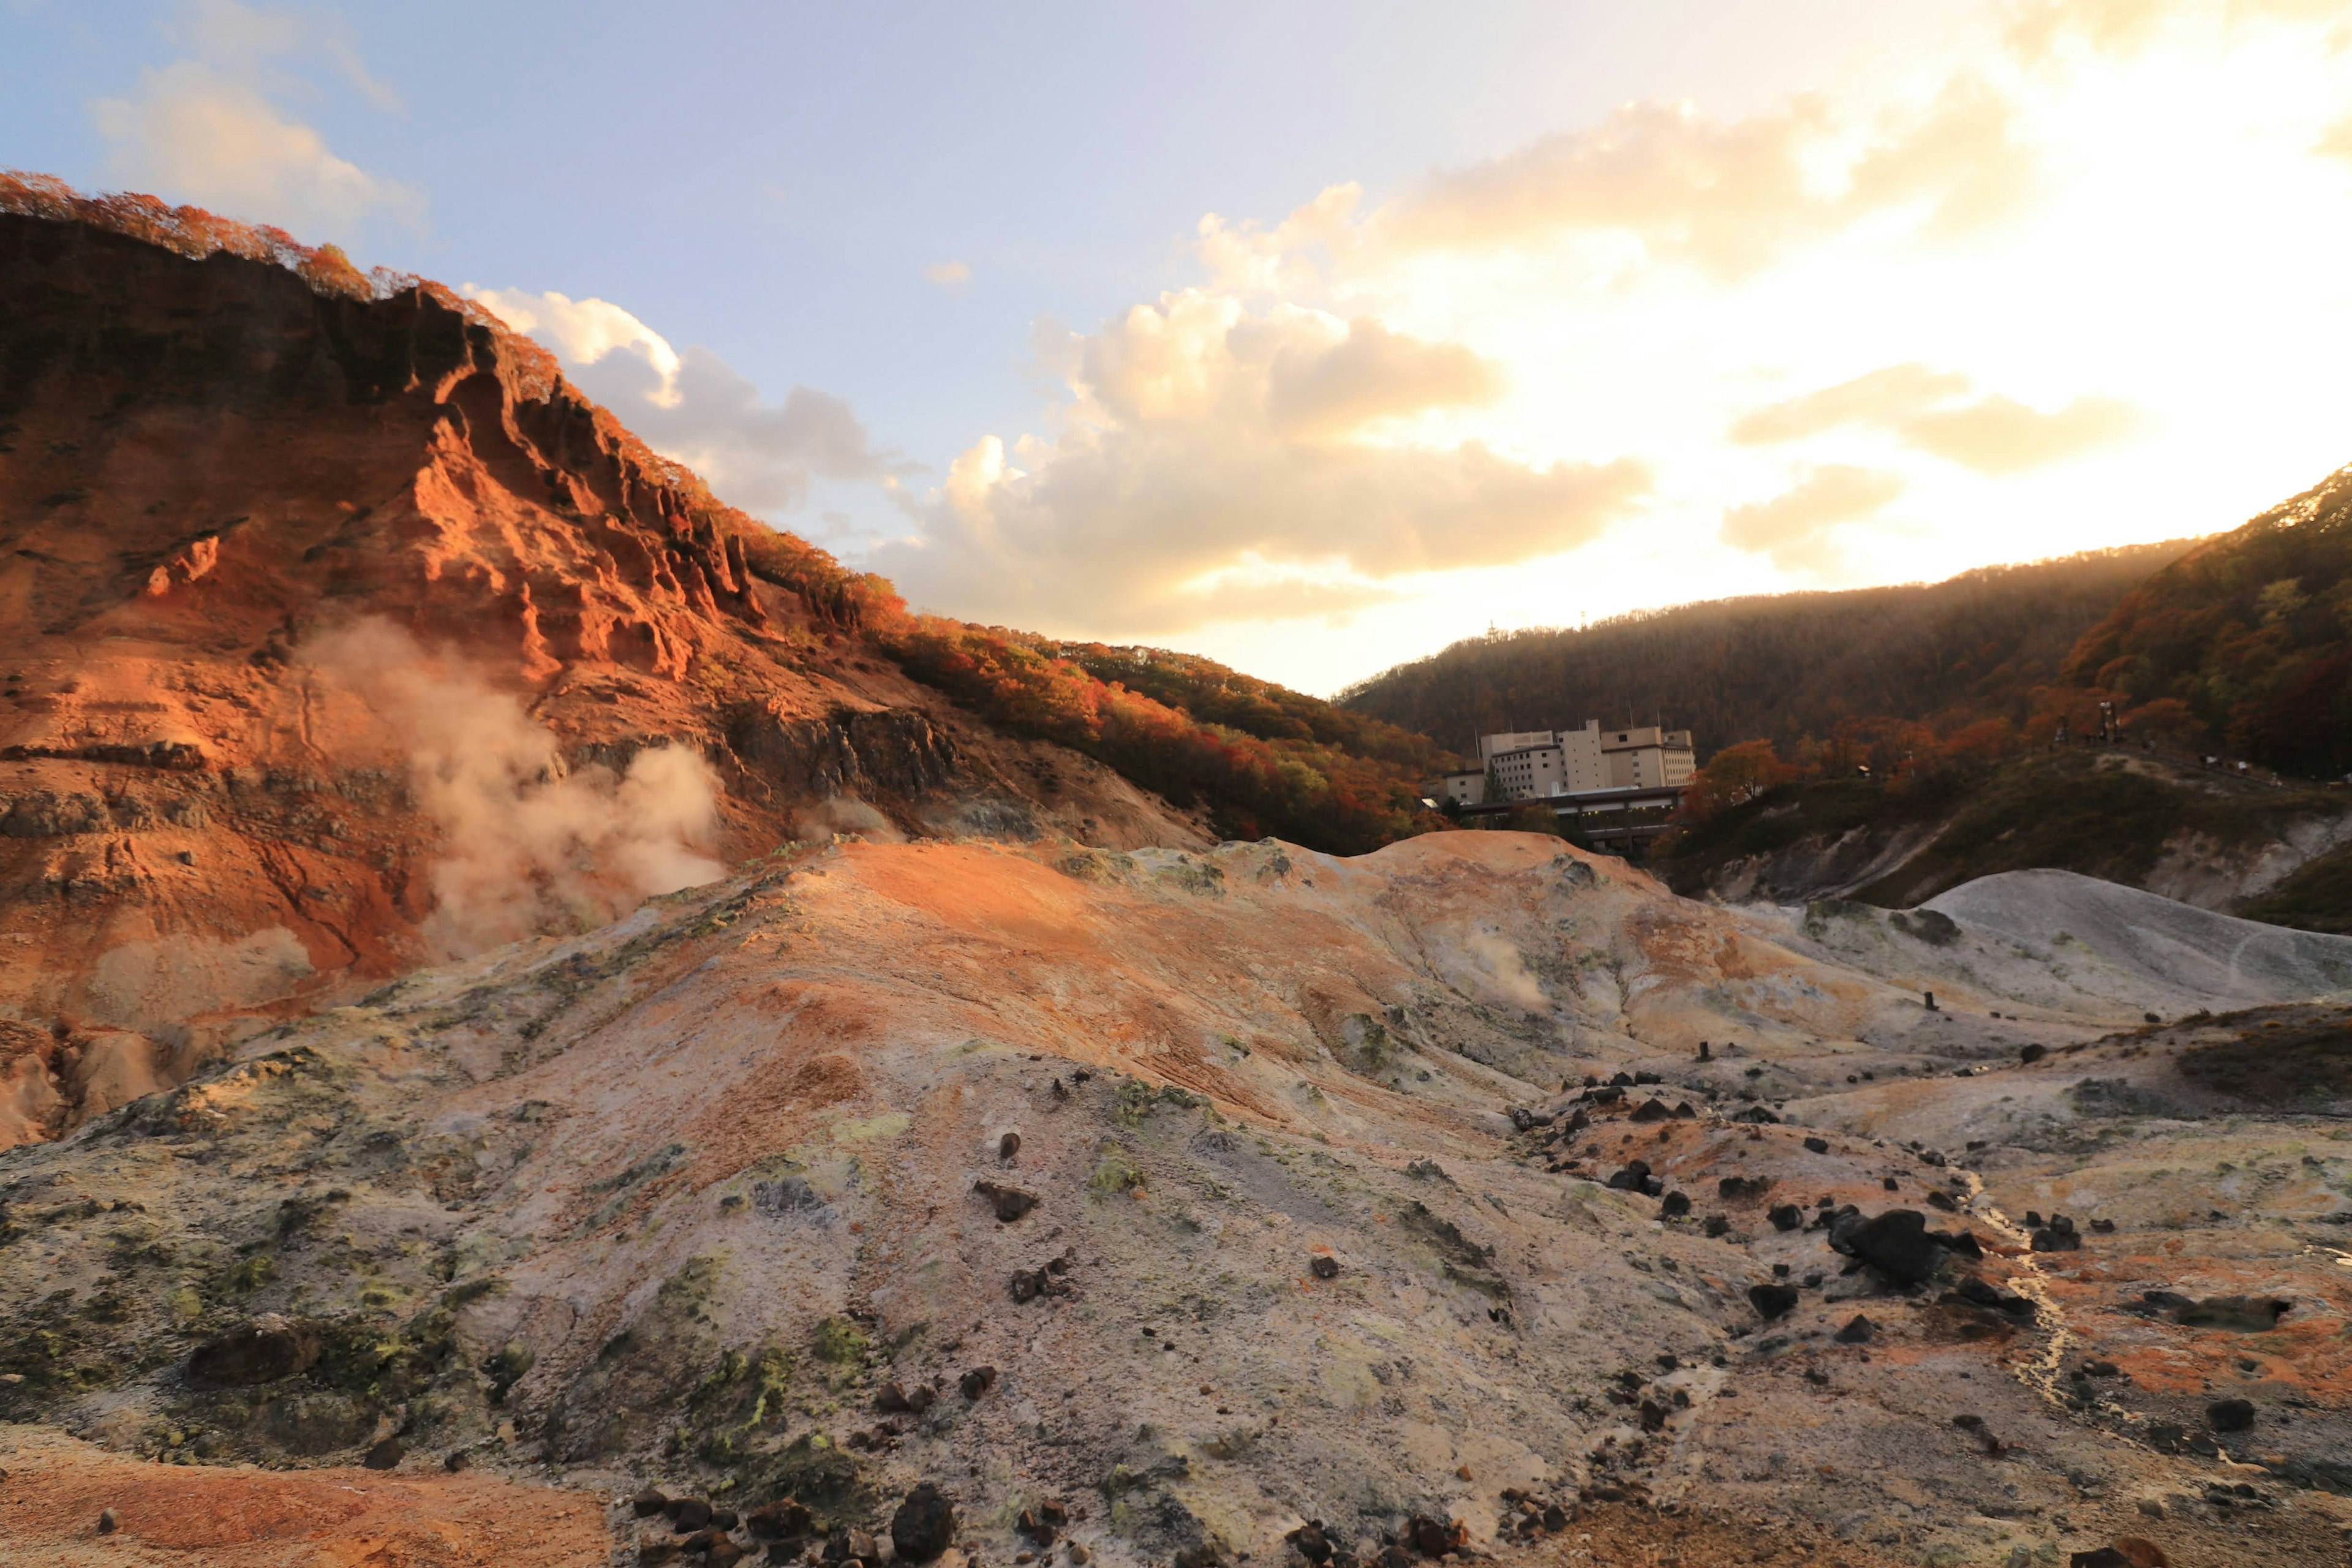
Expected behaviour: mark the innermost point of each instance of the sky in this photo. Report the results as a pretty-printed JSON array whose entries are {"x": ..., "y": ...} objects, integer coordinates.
[{"x": 1314, "y": 337}]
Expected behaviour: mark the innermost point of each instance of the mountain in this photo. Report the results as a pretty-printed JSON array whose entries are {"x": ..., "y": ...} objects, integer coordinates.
[
  {"x": 2240, "y": 648},
  {"x": 344, "y": 635},
  {"x": 1781, "y": 668}
]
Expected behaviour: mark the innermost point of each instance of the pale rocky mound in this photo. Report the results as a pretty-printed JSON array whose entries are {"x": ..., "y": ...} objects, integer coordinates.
[
  {"x": 2056, "y": 944},
  {"x": 213, "y": 465},
  {"x": 1152, "y": 1206},
  {"x": 2137, "y": 938}
]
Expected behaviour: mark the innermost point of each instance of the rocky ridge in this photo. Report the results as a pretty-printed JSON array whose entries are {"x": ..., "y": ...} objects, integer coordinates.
[{"x": 219, "y": 452}]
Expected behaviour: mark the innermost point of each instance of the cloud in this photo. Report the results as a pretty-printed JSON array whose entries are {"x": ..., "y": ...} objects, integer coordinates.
[
  {"x": 947, "y": 274},
  {"x": 1923, "y": 408},
  {"x": 2336, "y": 141},
  {"x": 584, "y": 331},
  {"x": 1216, "y": 463},
  {"x": 2002, "y": 435},
  {"x": 1328, "y": 389},
  {"x": 2041, "y": 29},
  {"x": 246, "y": 39},
  {"x": 694, "y": 406},
  {"x": 1728, "y": 195},
  {"x": 193, "y": 132},
  {"x": 1794, "y": 528}
]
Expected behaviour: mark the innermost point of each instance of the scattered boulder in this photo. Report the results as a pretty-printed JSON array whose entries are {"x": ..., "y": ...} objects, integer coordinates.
[
  {"x": 1631, "y": 1178},
  {"x": 780, "y": 1520},
  {"x": 1857, "y": 1332},
  {"x": 1757, "y": 1115},
  {"x": 1786, "y": 1216},
  {"x": 689, "y": 1514},
  {"x": 924, "y": 1525},
  {"x": 1772, "y": 1301},
  {"x": 1732, "y": 1188},
  {"x": 1311, "y": 1543},
  {"x": 109, "y": 1522},
  {"x": 1676, "y": 1206},
  {"x": 2029, "y": 1054},
  {"x": 977, "y": 1381},
  {"x": 2230, "y": 1415},
  {"x": 1008, "y": 1146},
  {"x": 1895, "y": 1243},
  {"x": 648, "y": 1502},
  {"x": 1817, "y": 1145},
  {"x": 1432, "y": 1538},
  {"x": 1011, "y": 1203},
  {"x": 269, "y": 1348},
  {"x": 1323, "y": 1266},
  {"x": 384, "y": 1455},
  {"x": 1652, "y": 1110},
  {"x": 1717, "y": 1226},
  {"x": 2058, "y": 1236},
  {"x": 1978, "y": 1292}
]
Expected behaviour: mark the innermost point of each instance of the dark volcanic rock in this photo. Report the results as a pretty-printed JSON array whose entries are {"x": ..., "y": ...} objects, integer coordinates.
[
  {"x": 2230, "y": 1415},
  {"x": 1895, "y": 1243},
  {"x": 924, "y": 1525},
  {"x": 1772, "y": 1301},
  {"x": 1787, "y": 1216},
  {"x": 1011, "y": 1203},
  {"x": 1857, "y": 1332}
]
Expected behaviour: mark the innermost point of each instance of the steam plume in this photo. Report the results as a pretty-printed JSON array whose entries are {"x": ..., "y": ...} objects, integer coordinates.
[{"x": 526, "y": 845}]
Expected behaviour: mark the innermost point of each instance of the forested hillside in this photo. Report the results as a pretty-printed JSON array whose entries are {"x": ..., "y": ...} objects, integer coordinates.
[
  {"x": 1259, "y": 758},
  {"x": 2252, "y": 632},
  {"x": 1781, "y": 668}
]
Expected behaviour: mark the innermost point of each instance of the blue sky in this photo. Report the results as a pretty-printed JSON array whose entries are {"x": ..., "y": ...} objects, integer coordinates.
[{"x": 764, "y": 188}]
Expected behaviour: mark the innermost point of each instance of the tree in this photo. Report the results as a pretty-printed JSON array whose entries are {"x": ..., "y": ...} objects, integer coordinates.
[{"x": 1733, "y": 776}]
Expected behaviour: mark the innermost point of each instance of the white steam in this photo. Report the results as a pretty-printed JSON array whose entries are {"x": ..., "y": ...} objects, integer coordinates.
[
  {"x": 1505, "y": 972},
  {"x": 526, "y": 845}
]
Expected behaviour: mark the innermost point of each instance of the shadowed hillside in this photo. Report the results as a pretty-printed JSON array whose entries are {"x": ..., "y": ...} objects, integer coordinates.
[{"x": 1781, "y": 668}]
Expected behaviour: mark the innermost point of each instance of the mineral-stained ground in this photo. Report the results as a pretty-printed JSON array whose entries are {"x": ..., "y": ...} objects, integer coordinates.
[{"x": 1476, "y": 1195}]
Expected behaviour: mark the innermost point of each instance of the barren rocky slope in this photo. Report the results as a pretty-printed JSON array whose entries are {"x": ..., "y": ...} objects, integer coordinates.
[
  {"x": 1204, "y": 1194},
  {"x": 217, "y": 807}
]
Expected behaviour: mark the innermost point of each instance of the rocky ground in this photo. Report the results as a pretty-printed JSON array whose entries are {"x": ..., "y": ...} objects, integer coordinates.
[{"x": 1474, "y": 1195}]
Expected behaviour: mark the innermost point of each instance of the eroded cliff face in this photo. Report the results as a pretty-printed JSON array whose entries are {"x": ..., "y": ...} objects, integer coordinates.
[{"x": 210, "y": 469}]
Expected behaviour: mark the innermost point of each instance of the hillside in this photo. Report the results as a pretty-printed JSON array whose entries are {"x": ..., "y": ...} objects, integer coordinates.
[
  {"x": 346, "y": 635},
  {"x": 2151, "y": 821},
  {"x": 1782, "y": 668},
  {"x": 2252, "y": 631},
  {"x": 1159, "y": 1203}
]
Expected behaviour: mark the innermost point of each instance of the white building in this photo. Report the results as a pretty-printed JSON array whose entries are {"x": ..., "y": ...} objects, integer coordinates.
[{"x": 1538, "y": 764}]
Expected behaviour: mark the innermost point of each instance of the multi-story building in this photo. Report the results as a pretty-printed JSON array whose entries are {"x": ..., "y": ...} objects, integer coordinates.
[{"x": 1540, "y": 764}]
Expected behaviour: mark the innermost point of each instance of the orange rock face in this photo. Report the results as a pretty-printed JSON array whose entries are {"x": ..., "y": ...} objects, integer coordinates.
[{"x": 214, "y": 473}]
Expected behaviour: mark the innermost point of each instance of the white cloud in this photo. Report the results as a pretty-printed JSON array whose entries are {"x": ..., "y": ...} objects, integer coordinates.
[
  {"x": 1728, "y": 195},
  {"x": 947, "y": 274},
  {"x": 1796, "y": 528},
  {"x": 206, "y": 130},
  {"x": 1923, "y": 407},
  {"x": 195, "y": 133},
  {"x": 1216, "y": 463},
  {"x": 694, "y": 406}
]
